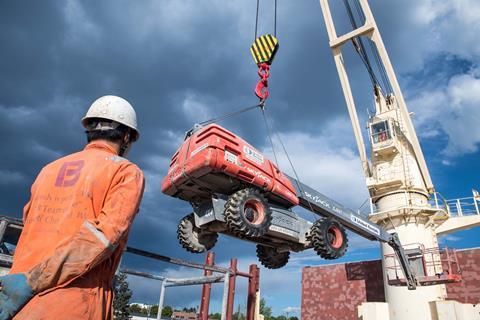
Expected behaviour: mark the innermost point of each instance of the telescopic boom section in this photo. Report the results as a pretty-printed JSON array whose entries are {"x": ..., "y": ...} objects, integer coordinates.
[{"x": 320, "y": 204}]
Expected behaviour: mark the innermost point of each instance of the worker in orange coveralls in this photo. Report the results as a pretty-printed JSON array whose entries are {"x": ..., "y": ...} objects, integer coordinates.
[{"x": 76, "y": 224}]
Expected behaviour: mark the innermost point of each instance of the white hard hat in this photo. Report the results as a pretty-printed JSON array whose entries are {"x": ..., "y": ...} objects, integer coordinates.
[{"x": 113, "y": 108}]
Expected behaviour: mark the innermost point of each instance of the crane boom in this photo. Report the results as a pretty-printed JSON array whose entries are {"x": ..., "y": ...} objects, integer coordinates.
[
  {"x": 335, "y": 44},
  {"x": 397, "y": 177},
  {"x": 395, "y": 102}
]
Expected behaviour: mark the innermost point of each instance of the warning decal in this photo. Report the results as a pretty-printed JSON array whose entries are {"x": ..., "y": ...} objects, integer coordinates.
[
  {"x": 253, "y": 155},
  {"x": 364, "y": 224}
]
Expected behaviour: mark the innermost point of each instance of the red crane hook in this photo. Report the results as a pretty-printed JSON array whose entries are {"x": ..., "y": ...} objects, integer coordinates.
[{"x": 261, "y": 90}]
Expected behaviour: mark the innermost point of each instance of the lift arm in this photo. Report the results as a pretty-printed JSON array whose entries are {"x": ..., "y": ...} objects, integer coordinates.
[
  {"x": 322, "y": 205},
  {"x": 394, "y": 242}
]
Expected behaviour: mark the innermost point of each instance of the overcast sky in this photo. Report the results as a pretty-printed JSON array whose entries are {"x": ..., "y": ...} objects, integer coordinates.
[{"x": 181, "y": 62}]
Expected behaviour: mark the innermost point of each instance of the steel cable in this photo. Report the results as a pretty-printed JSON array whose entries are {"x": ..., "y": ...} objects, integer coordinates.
[
  {"x": 274, "y": 20},
  {"x": 229, "y": 115},
  {"x": 269, "y": 135},
  {"x": 256, "y": 20},
  {"x": 373, "y": 49},
  {"x": 359, "y": 46},
  {"x": 287, "y": 155}
]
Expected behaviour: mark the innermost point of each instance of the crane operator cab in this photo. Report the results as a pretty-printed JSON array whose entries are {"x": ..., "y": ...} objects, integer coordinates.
[{"x": 383, "y": 136}]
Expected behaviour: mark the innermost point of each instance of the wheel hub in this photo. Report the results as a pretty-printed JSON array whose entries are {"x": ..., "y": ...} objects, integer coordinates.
[
  {"x": 334, "y": 237},
  {"x": 254, "y": 212}
]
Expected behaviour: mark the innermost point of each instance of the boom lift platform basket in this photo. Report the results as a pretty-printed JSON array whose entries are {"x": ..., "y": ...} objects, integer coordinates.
[{"x": 432, "y": 266}]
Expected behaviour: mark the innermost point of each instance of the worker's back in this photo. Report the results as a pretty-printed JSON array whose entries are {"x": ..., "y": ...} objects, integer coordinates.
[{"x": 67, "y": 193}]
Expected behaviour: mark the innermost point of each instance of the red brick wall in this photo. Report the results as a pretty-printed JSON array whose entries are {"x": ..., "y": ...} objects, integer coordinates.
[
  {"x": 334, "y": 291},
  {"x": 467, "y": 291}
]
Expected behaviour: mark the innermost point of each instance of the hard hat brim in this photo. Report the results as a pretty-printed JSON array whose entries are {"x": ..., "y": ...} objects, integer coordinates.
[{"x": 135, "y": 130}]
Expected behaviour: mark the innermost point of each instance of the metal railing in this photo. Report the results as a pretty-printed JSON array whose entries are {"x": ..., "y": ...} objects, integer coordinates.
[
  {"x": 366, "y": 208},
  {"x": 453, "y": 207},
  {"x": 436, "y": 201},
  {"x": 464, "y": 206},
  {"x": 438, "y": 266}
]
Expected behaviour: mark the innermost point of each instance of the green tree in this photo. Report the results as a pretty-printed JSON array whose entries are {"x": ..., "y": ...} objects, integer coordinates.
[
  {"x": 293, "y": 318},
  {"x": 265, "y": 310},
  {"x": 135, "y": 309},
  {"x": 153, "y": 310},
  {"x": 121, "y": 310},
  {"x": 215, "y": 316},
  {"x": 191, "y": 309},
  {"x": 167, "y": 312}
]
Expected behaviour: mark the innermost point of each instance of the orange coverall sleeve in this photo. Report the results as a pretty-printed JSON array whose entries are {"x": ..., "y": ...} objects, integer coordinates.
[{"x": 97, "y": 238}]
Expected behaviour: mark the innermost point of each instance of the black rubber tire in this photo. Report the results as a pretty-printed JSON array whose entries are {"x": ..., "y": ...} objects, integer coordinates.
[
  {"x": 194, "y": 239},
  {"x": 329, "y": 239},
  {"x": 247, "y": 213},
  {"x": 270, "y": 258}
]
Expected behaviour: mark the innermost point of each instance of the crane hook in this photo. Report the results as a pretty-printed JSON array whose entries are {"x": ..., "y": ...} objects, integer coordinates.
[
  {"x": 263, "y": 51},
  {"x": 261, "y": 90}
]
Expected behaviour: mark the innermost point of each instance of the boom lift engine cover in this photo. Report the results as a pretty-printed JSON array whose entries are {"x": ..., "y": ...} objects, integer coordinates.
[{"x": 214, "y": 160}]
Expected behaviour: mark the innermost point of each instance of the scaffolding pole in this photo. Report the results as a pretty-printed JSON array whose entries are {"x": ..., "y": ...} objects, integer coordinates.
[
  {"x": 207, "y": 288},
  {"x": 228, "y": 277}
]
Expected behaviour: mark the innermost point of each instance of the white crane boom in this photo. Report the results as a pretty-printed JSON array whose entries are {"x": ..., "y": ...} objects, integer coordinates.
[{"x": 369, "y": 29}]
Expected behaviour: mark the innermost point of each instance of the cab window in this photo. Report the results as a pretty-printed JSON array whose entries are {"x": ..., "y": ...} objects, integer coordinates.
[{"x": 380, "y": 132}]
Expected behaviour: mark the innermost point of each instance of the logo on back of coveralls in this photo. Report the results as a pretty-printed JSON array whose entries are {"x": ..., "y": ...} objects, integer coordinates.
[{"x": 69, "y": 173}]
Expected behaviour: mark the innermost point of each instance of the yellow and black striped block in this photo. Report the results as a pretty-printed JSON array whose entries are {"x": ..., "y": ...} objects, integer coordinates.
[{"x": 264, "y": 49}]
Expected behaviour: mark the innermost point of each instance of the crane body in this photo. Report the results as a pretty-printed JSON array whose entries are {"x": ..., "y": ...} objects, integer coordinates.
[{"x": 396, "y": 174}]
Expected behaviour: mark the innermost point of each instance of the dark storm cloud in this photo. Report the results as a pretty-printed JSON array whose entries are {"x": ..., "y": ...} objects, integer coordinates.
[{"x": 61, "y": 57}]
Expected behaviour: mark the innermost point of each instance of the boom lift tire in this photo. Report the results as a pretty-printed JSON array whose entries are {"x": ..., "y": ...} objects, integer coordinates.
[
  {"x": 270, "y": 258},
  {"x": 194, "y": 239},
  {"x": 329, "y": 239},
  {"x": 247, "y": 213}
]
